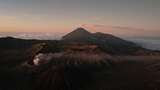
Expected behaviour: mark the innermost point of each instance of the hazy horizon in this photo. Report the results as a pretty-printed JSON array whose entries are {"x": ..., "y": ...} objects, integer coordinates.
[
  {"x": 147, "y": 42},
  {"x": 115, "y": 45},
  {"x": 136, "y": 20},
  {"x": 119, "y": 17}
]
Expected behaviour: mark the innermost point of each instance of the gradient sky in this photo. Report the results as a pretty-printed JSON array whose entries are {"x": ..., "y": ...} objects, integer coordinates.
[{"x": 121, "y": 17}]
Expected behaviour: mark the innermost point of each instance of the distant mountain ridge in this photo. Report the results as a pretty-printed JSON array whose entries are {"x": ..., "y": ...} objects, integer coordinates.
[{"x": 108, "y": 42}]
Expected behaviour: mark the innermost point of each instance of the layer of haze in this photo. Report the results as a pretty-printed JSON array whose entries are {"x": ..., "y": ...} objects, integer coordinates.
[{"x": 119, "y": 17}]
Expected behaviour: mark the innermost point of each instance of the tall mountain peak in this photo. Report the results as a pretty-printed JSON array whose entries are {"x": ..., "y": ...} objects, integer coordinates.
[
  {"x": 109, "y": 42},
  {"x": 80, "y": 30},
  {"x": 79, "y": 34}
]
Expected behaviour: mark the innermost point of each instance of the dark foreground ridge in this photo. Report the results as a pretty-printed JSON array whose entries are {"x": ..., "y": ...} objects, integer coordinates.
[{"x": 80, "y": 61}]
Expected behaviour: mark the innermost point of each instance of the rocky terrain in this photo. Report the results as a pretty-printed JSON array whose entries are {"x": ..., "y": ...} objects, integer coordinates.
[{"x": 80, "y": 61}]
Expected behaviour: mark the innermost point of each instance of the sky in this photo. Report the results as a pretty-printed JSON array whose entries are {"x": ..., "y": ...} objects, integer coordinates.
[{"x": 119, "y": 17}]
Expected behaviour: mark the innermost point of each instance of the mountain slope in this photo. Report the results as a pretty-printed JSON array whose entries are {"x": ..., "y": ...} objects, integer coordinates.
[
  {"x": 78, "y": 35},
  {"x": 107, "y": 42},
  {"x": 116, "y": 44}
]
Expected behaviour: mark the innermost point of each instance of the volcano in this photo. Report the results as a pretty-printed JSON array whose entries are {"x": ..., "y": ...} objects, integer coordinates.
[
  {"x": 108, "y": 42},
  {"x": 79, "y": 35}
]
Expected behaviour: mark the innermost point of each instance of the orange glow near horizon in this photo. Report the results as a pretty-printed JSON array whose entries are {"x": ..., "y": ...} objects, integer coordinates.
[
  {"x": 30, "y": 24},
  {"x": 118, "y": 17},
  {"x": 12, "y": 24}
]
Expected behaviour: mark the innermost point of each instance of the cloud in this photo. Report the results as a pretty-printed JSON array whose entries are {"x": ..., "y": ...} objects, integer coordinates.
[
  {"x": 100, "y": 26},
  {"x": 117, "y": 30}
]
